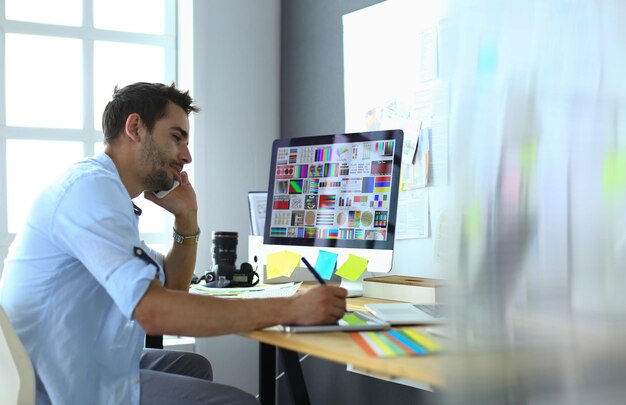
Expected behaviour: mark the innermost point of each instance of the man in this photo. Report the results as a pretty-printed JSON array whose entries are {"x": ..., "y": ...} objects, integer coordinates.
[{"x": 82, "y": 289}]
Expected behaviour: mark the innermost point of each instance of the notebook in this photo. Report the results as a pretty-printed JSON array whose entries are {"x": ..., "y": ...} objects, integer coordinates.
[
  {"x": 352, "y": 321},
  {"x": 408, "y": 314}
]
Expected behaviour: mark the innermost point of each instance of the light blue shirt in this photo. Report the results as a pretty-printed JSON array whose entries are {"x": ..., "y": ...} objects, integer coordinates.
[{"x": 70, "y": 285}]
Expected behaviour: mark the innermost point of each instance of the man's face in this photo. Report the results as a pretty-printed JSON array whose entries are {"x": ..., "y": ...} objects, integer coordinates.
[{"x": 165, "y": 150}]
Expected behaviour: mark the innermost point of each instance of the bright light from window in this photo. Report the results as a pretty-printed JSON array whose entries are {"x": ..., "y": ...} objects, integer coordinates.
[
  {"x": 159, "y": 247},
  {"x": 44, "y": 81},
  {"x": 98, "y": 148},
  {"x": 152, "y": 217},
  {"x": 144, "y": 16},
  {"x": 59, "y": 12},
  {"x": 120, "y": 64},
  {"x": 31, "y": 165}
]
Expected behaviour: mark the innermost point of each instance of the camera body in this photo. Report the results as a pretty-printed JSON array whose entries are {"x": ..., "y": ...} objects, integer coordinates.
[
  {"x": 243, "y": 277},
  {"x": 224, "y": 272}
]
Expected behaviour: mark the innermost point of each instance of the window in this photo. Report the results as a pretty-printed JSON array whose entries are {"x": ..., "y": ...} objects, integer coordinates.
[{"x": 59, "y": 63}]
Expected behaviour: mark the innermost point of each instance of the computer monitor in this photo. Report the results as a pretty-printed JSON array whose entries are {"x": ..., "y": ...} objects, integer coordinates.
[{"x": 336, "y": 193}]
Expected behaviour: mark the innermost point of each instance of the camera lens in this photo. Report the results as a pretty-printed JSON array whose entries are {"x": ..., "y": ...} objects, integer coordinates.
[{"x": 224, "y": 248}]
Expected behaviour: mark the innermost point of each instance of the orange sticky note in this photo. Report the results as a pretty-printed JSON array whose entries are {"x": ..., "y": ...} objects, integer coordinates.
[
  {"x": 352, "y": 268},
  {"x": 281, "y": 263}
]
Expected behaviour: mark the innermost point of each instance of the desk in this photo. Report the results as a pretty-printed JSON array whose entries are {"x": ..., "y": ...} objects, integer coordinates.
[{"x": 337, "y": 347}]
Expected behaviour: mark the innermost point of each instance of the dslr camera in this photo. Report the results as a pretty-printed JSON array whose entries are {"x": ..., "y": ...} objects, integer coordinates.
[{"x": 224, "y": 272}]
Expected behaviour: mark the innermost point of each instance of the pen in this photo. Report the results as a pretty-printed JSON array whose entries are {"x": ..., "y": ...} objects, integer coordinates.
[{"x": 312, "y": 270}]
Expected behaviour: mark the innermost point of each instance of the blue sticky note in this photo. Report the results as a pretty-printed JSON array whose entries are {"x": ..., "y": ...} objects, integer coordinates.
[{"x": 325, "y": 264}]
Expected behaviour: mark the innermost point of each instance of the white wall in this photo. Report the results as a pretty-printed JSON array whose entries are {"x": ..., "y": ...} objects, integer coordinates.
[{"x": 237, "y": 84}]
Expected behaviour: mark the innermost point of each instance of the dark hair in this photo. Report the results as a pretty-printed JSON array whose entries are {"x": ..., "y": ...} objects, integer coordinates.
[{"x": 149, "y": 100}]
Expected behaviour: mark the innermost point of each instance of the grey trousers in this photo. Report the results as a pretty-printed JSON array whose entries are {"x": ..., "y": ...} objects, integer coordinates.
[{"x": 176, "y": 377}]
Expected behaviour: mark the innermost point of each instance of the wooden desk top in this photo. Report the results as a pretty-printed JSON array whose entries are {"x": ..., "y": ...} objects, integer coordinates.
[{"x": 340, "y": 348}]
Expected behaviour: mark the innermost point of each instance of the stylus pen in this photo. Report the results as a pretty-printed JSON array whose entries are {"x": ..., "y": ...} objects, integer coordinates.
[{"x": 312, "y": 270}]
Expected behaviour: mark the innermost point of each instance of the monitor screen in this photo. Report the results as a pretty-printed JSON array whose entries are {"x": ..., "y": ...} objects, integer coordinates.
[{"x": 334, "y": 191}]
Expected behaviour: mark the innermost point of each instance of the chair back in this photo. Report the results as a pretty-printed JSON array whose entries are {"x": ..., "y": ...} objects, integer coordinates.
[{"x": 17, "y": 377}]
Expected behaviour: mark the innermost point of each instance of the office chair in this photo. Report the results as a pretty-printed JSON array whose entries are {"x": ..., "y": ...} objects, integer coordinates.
[{"x": 17, "y": 377}]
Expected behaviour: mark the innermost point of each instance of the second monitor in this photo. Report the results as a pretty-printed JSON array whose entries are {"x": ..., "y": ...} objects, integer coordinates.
[{"x": 337, "y": 193}]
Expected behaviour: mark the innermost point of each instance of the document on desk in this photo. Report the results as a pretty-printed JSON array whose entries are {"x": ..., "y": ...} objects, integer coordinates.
[
  {"x": 263, "y": 291},
  {"x": 351, "y": 322}
]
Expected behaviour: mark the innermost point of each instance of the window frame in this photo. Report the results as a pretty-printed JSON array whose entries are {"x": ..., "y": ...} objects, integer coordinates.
[{"x": 87, "y": 135}]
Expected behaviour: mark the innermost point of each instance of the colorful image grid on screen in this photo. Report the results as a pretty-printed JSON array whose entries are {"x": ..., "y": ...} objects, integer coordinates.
[{"x": 335, "y": 191}]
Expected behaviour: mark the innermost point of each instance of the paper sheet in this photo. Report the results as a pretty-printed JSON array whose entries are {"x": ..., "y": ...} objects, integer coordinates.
[
  {"x": 413, "y": 214},
  {"x": 262, "y": 291},
  {"x": 257, "y": 202}
]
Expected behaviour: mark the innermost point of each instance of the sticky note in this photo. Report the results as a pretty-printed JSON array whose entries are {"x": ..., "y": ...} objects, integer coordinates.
[
  {"x": 614, "y": 174},
  {"x": 473, "y": 221},
  {"x": 487, "y": 57},
  {"x": 352, "y": 268},
  {"x": 529, "y": 150},
  {"x": 281, "y": 263},
  {"x": 325, "y": 264},
  {"x": 421, "y": 340},
  {"x": 352, "y": 319}
]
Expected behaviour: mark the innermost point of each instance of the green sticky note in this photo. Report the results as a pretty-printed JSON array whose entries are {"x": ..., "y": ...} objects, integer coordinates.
[
  {"x": 614, "y": 174},
  {"x": 281, "y": 263},
  {"x": 529, "y": 151},
  {"x": 473, "y": 221},
  {"x": 325, "y": 264},
  {"x": 352, "y": 268},
  {"x": 351, "y": 319}
]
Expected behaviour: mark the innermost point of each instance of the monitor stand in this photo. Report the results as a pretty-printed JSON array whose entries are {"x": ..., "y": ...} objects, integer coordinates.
[{"x": 355, "y": 288}]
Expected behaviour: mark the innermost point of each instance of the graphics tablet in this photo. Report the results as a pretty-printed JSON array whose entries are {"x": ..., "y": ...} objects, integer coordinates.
[{"x": 351, "y": 322}]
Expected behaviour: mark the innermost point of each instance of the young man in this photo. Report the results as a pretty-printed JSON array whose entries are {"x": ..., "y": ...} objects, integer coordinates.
[{"x": 82, "y": 289}]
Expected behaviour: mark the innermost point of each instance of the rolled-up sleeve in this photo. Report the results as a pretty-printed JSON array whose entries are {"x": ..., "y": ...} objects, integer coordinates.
[{"x": 100, "y": 230}]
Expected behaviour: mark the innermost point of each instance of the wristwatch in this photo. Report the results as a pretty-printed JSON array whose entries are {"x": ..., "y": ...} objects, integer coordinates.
[{"x": 186, "y": 239}]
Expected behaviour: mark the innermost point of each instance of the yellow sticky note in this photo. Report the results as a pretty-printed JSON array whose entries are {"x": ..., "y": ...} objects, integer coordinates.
[
  {"x": 281, "y": 263},
  {"x": 352, "y": 268}
]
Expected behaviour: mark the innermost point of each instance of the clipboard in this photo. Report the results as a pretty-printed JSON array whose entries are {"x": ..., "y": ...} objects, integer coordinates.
[{"x": 343, "y": 325}]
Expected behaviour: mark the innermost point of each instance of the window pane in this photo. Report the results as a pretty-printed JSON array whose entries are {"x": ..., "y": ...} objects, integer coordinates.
[
  {"x": 59, "y": 12},
  {"x": 152, "y": 217},
  {"x": 44, "y": 81},
  {"x": 148, "y": 65},
  {"x": 144, "y": 16},
  {"x": 31, "y": 165},
  {"x": 159, "y": 247}
]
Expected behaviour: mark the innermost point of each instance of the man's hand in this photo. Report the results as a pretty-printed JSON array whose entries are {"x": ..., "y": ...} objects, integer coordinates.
[
  {"x": 179, "y": 201},
  {"x": 180, "y": 261},
  {"x": 319, "y": 305}
]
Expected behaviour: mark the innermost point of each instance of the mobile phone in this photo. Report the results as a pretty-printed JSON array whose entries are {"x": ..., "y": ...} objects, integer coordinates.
[{"x": 163, "y": 193}]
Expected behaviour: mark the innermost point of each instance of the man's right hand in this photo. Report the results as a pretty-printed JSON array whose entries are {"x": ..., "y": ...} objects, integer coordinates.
[{"x": 323, "y": 304}]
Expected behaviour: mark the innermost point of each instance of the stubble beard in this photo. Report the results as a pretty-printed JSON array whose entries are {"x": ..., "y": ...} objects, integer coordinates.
[{"x": 158, "y": 179}]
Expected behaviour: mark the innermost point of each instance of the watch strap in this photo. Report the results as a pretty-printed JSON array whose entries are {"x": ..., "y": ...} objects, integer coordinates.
[{"x": 186, "y": 239}]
